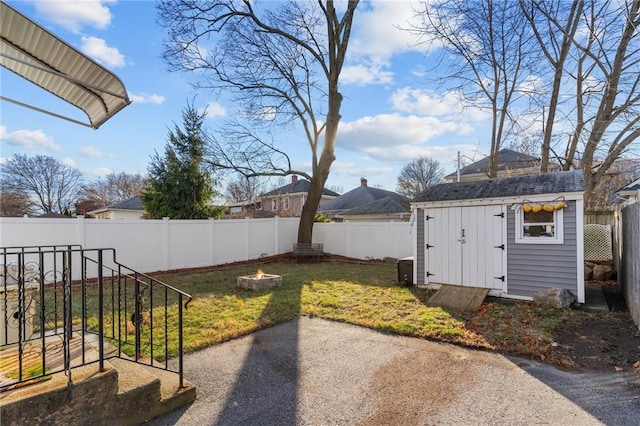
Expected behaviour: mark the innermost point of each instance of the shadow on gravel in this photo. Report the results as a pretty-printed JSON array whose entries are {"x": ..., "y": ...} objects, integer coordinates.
[
  {"x": 266, "y": 389},
  {"x": 613, "y": 398}
]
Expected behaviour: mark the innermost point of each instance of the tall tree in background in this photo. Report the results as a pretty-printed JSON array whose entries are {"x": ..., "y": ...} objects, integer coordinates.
[
  {"x": 281, "y": 62},
  {"x": 484, "y": 46},
  {"x": 582, "y": 75},
  {"x": 610, "y": 57},
  {"x": 418, "y": 175},
  {"x": 107, "y": 190},
  {"x": 554, "y": 24},
  {"x": 180, "y": 185},
  {"x": 50, "y": 185},
  {"x": 593, "y": 47},
  {"x": 245, "y": 189}
]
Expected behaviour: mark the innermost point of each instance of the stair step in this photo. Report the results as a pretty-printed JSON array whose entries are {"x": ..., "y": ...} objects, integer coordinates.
[{"x": 150, "y": 391}]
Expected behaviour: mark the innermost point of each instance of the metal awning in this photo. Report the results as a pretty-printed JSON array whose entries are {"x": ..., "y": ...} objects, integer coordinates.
[{"x": 35, "y": 54}]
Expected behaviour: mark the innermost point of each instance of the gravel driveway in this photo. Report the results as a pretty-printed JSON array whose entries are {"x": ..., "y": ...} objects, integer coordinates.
[{"x": 316, "y": 372}]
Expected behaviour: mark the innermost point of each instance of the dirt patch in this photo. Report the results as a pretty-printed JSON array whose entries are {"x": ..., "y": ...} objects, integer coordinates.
[{"x": 609, "y": 341}]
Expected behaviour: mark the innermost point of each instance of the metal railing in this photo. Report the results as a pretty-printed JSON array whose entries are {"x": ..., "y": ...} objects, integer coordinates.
[{"x": 66, "y": 306}]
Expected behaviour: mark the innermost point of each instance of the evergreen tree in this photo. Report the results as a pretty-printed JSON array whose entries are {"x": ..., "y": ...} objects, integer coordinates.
[{"x": 180, "y": 186}]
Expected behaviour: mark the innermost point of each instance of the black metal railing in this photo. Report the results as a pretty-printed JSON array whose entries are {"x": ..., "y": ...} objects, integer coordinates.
[{"x": 66, "y": 306}]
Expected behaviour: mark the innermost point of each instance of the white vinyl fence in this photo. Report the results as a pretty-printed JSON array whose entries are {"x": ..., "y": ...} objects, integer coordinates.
[{"x": 161, "y": 245}]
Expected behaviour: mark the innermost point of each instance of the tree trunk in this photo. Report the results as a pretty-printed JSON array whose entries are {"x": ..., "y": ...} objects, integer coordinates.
[{"x": 321, "y": 170}]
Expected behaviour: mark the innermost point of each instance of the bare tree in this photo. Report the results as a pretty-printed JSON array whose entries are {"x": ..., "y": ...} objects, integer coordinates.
[
  {"x": 109, "y": 189},
  {"x": 244, "y": 189},
  {"x": 592, "y": 47},
  {"x": 621, "y": 172},
  {"x": 554, "y": 24},
  {"x": 418, "y": 175},
  {"x": 281, "y": 62},
  {"x": 14, "y": 204},
  {"x": 611, "y": 56},
  {"x": 50, "y": 185},
  {"x": 484, "y": 45},
  {"x": 586, "y": 49}
]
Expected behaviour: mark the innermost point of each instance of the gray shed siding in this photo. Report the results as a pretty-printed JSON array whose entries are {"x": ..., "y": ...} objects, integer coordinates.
[
  {"x": 421, "y": 244},
  {"x": 533, "y": 267}
]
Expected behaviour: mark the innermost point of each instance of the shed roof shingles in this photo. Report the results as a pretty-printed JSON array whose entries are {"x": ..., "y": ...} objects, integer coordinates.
[{"x": 544, "y": 183}]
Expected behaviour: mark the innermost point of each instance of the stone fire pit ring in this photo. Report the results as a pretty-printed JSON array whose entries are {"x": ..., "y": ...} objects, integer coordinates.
[{"x": 259, "y": 281}]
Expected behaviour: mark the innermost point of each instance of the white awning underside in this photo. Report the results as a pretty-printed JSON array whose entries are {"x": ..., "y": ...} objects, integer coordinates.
[{"x": 35, "y": 54}]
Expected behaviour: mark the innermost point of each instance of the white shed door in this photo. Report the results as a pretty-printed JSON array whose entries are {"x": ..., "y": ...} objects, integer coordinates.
[{"x": 465, "y": 246}]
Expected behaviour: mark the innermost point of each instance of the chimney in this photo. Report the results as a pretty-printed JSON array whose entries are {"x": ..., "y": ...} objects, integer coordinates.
[
  {"x": 294, "y": 179},
  {"x": 363, "y": 182}
]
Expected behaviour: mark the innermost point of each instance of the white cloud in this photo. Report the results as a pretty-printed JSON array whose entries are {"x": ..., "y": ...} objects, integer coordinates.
[
  {"x": 448, "y": 104},
  {"x": 391, "y": 129},
  {"x": 97, "y": 172},
  {"x": 533, "y": 84},
  {"x": 73, "y": 15},
  {"x": 398, "y": 139},
  {"x": 377, "y": 36},
  {"x": 91, "y": 152},
  {"x": 69, "y": 162},
  {"x": 35, "y": 139},
  {"x": 214, "y": 109},
  {"x": 365, "y": 74},
  {"x": 144, "y": 98},
  {"x": 377, "y": 29},
  {"x": 97, "y": 48}
]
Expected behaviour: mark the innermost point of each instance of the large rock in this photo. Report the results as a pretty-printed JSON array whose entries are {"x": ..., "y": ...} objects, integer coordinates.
[
  {"x": 554, "y": 298},
  {"x": 602, "y": 272},
  {"x": 588, "y": 272}
]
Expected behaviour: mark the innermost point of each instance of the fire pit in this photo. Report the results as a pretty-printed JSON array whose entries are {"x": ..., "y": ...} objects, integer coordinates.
[{"x": 259, "y": 281}]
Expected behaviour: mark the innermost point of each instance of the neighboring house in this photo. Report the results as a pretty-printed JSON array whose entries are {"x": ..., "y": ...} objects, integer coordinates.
[
  {"x": 630, "y": 193},
  {"x": 243, "y": 210},
  {"x": 287, "y": 201},
  {"x": 131, "y": 208},
  {"x": 483, "y": 234},
  {"x": 510, "y": 163},
  {"x": 366, "y": 203}
]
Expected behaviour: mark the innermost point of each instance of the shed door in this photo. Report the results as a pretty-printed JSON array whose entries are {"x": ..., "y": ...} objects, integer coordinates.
[{"x": 465, "y": 246}]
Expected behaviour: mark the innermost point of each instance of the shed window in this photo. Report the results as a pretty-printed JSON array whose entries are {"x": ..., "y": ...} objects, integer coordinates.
[
  {"x": 274, "y": 204},
  {"x": 539, "y": 228},
  {"x": 285, "y": 203}
]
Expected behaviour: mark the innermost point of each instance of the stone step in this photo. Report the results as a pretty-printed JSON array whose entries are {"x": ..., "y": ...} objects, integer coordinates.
[
  {"x": 125, "y": 393},
  {"x": 149, "y": 391}
]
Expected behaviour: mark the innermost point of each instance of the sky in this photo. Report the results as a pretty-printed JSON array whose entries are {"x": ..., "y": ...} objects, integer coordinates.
[{"x": 391, "y": 113}]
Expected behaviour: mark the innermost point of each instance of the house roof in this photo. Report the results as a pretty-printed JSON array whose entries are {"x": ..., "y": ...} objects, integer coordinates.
[
  {"x": 40, "y": 57},
  {"x": 386, "y": 205},
  {"x": 631, "y": 186},
  {"x": 301, "y": 186},
  {"x": 508, "y": 159},
  {"x": 133, "y": 203},
  {"x": 362, "y": 196},
  {"x": 544, "y": 183},
  {"x": 53, "y": 215}
]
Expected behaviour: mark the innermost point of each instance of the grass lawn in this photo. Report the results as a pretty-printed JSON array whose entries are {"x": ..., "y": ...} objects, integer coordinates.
[{"x": 364, "y": 294}]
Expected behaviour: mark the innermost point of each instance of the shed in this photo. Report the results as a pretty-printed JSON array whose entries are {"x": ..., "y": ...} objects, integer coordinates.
[{"x": 490, "y": 234}]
